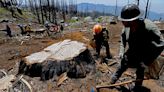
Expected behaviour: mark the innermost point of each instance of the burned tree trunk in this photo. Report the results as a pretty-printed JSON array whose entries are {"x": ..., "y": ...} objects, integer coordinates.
[{"x": 68, "y": 56}]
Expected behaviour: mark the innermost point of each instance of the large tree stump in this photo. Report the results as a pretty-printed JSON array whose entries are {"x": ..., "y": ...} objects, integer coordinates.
[{"x": 66, "y": 56}]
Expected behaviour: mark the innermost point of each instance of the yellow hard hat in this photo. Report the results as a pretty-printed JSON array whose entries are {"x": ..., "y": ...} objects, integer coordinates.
[{"x": 97, "y": 29}]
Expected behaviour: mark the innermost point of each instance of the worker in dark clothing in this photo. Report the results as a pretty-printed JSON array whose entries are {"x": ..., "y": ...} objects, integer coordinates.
[
  {"x": 47, "y": 27},
  {"x": 8, "y": 30},
  {"x": 145, "y": 44},
  {"x": 101, "y": 39},
  {"x": 61, "y": 28},
  {"x": 21, "y": 26}
]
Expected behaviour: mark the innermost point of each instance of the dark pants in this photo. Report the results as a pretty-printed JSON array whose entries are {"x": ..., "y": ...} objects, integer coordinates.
[
  {"x": 9, "y": 32},
  {"x": 99, "y": 44},
  {"x": 130, "y": 61}
]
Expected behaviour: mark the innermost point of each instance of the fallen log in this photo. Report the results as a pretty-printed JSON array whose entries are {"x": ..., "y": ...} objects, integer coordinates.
[{"x": 67, "y": 56}]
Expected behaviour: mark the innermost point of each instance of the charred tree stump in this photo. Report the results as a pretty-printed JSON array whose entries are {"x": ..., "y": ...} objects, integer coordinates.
[{"x": 76, "y": 66}]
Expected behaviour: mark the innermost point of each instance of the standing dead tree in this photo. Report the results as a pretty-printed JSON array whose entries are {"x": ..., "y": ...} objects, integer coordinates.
[{"x": 50, "y": 10}]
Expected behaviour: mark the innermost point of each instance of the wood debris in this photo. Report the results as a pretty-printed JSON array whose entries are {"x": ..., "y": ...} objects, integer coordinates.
[
  {"x": 5, "y": 82},
  {"x": 113, "y": 85},
  {"x": 62, "y": 78},
  {"x": 112, "y": 63},
  {"x": 118, "y": 84}
]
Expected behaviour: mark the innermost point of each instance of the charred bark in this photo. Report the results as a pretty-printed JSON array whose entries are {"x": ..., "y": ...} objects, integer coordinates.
[{"x": 77, "y": 67}]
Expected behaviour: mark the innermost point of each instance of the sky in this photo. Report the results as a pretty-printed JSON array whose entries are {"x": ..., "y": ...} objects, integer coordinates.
[{"x": 155, "y": 5}]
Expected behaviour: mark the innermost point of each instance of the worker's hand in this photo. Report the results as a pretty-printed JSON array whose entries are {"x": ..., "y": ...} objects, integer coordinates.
[
  {"x": 121, "y": 55},
  {"x": 162, "y": 54}
]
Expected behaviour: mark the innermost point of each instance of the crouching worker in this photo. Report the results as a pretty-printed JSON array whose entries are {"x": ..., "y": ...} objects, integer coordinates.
[
  {"x": 101, "y": 39},
  {"x": 145, "y": 44}
]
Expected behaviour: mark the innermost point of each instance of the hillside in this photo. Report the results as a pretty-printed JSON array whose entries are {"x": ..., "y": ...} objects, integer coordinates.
[
  {"x": 7, "y": 15},
  {"x": 111, "y": 10}
]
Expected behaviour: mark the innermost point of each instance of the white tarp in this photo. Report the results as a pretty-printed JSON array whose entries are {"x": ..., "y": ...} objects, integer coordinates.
[{"x": 64, "y": 50}]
